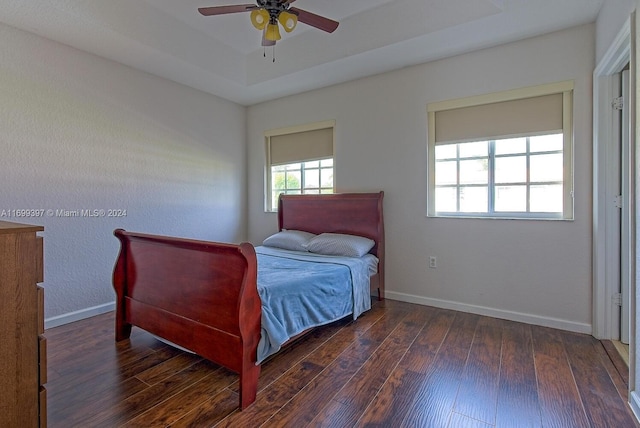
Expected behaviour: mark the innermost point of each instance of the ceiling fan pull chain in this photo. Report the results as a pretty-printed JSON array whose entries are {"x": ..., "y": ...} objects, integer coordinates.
[{"x": 273, "y": 53}]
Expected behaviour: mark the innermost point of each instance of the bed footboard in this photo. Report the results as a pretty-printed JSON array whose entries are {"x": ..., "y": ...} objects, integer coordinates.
[{"x": 200, "y": 295}]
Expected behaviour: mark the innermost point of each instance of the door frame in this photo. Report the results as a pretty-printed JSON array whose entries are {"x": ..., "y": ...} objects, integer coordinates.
[
  {"x": 621, "y": 52},
  {"x": 605, "y": 268}
]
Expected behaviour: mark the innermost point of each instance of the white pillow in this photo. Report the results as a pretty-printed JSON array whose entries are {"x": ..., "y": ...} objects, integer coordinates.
[
  {"x": 295, "y": 240},
  {"x": 338, "y": 244}
]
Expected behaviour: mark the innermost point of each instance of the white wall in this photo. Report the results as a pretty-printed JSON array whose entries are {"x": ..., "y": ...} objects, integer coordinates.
[
  {"x": 82, "y": 132},
  {"x": 536, "y": 271}
]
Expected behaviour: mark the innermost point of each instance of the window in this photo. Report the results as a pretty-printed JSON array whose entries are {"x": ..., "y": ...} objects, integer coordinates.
[
  {"x": 299, "y": 161},
  {"x": 502, "y": 155}
]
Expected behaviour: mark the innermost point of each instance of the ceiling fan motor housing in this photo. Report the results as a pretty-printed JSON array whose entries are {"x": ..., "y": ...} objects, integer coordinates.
[{"x": 274, "y": 7}]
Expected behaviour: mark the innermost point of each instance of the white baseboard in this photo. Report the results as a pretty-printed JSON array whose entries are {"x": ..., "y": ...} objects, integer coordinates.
[
  {"x": 78, "y": 315},
  {"x": 634, "y": 402},
  {"x": 409, "y": 298},
  {"x": 492, "y": 312}
]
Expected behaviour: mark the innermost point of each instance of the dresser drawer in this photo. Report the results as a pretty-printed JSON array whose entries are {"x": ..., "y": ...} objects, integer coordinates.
[
  {"x": 23, "y": 358},
  {"x": 42, "y": 395},
  {"x": 40, "y": 310},
  {"x": 42, "y": 359},
  {"x": 39, "y": 259}
]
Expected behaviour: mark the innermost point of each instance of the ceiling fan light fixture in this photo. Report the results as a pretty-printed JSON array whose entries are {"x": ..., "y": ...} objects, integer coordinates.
[
  {"x": 268, "y": 15},
  {"x": 272, "y": 33},
  {"x": 259, "y": 18},
  {"x": 288, "y": 20}
]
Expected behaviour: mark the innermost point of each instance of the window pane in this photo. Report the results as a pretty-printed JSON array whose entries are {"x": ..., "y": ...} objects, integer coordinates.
[
  {"x": 446, "y": 173},
  {"x": 511, "y": 145},
  {"x": 446, "y": 199},
  {"x": 473, "y": 199},
  {"x": 511, "y": 199},
  {"x": 293, "y": 179},
  {"x": 475, "y": 149},
  {"x": 546, "y": 168},
  {"x": 312, "y": 192},
  {"x": 447, "y": 151},
  {"x": 278, "y": 180},
  {"x": 323, "y": 191},
  {"x": 292, "y": 166},
  {"x": 511, "y": 169},
  {"x": 547, "y": 199},
  {"x": 546, "y": 143},
  {"x": 312, "y": 164},
  {"x": 474, "y": 171},
  {"x": 311, "y": 178},
  {"x": 326, "y": 177},
  {"x": 326, "y": 162}
]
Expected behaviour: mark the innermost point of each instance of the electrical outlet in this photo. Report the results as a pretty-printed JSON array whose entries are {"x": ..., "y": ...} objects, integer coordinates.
[{"x": 432, "y": 262}]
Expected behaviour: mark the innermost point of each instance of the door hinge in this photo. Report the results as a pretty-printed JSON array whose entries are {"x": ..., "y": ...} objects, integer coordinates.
[
  {"x": 617, "y": 103},
  {"x": 616, "y": 298},
  {"x": 618, "y": 201}
]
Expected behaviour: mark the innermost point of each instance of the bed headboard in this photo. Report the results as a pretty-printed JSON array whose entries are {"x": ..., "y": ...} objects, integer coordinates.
[{"x": 350, "y": 213}]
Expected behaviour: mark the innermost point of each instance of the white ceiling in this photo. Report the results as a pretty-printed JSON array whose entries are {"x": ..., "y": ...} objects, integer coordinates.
[{"x": 222, "y": 54}]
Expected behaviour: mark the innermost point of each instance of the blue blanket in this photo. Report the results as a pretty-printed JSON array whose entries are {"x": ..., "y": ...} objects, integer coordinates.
[{"x": 304, "y": 290}]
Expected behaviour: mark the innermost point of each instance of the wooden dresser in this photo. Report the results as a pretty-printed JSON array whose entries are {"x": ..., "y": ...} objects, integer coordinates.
[{"x": 23, "y": 362}]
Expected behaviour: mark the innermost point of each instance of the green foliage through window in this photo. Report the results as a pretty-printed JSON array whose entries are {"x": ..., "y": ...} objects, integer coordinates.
[{"x": 310, "y": 177}]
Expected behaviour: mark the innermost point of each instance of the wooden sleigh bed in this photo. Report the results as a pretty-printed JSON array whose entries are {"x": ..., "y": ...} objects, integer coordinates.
[{"x": 203, "y": 295}]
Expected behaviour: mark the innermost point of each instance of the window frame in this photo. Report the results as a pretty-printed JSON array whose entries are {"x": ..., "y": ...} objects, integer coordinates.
[
  {"x": 269, "y": 206},
  {"x": 566, "y": 89},
  {"x": 302, "y": 170}
]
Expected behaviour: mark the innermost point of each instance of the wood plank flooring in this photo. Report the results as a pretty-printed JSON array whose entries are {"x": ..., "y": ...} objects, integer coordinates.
[{"x": 398, "y": 365}]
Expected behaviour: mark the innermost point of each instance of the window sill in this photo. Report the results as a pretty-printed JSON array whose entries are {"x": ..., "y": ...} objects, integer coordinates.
[{"x": 496, "y": 217}]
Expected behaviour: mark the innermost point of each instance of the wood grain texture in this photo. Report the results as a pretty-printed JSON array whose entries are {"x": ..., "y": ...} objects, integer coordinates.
[
  {"x": 399, "y": 364},
  {"x": 9, "y": 228},
  {"x": 518, "y": 404},
  {"x": 346, "y": 407},
  {"x": 320, "y": 390},
  {"x": 435, "y": 399},
  {"x": 594, "y": 384},
  {"x": 20, "y": 371},
  {"x": 478, "y": 393},
  {"x": 174, "y": 407},
  {"x": 461, "y": 421},
  {"x": 560, "y": 403},
  {"x": 618, "y": 374},
  {"x": 39, "y": 266},
  {"x": 396, "y": 395}
]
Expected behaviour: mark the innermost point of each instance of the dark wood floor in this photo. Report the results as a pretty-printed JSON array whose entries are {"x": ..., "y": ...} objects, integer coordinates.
[{"x": 398, "y": 365}]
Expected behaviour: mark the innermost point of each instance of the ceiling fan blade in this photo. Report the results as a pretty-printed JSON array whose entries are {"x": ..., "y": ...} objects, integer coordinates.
[
  {"x": 221, "y": 10},
  {"x": 320, "y": 22}
]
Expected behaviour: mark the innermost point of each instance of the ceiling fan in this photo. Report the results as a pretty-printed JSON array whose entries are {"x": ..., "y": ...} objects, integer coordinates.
[{"x": 266, "y": 14}]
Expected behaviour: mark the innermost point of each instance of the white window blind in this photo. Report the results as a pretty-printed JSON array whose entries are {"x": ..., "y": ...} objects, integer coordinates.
[
  {"x": 533, "y": 115},
  {"x": 301, "y": 146}
]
